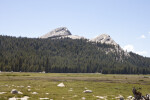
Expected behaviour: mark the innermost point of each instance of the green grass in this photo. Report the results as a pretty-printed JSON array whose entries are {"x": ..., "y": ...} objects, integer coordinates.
[{"x": 101, "y": 85}]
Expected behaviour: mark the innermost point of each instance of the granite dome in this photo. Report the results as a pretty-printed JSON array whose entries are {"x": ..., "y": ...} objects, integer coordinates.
[
  {"x": 104, "y": 38},
  {"x": 61, "y": 31}
]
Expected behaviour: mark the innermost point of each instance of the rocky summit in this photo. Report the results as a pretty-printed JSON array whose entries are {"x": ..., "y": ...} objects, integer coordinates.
[
  {"x": 64, "y": 55},
  {"x": 61, "y": 32},
  {"x": 104, "y": 38},
  {"x": 58, "y": 32}
]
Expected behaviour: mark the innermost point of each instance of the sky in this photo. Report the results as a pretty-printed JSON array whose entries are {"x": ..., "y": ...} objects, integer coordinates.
[{"x": 126, "y": 21}]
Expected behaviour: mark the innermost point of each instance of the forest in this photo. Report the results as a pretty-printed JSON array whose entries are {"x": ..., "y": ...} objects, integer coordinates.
[{"x": 21, "y": 54}]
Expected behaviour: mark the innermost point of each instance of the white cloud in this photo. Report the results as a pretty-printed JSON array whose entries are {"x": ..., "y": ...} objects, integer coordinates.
[
  {"x": 129, "y": 48},
  {"x": 141, "y": 52},
  {"x": 143, "y": 36}
]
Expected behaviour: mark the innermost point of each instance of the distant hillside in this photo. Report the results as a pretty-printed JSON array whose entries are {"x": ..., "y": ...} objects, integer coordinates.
[{"x": 68, "y": 56}]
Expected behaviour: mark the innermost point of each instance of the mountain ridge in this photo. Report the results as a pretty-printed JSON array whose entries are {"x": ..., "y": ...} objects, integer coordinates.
[
  {"x": 67, "y": 55},
  {"x": 61, "y": 52},
  {"x": 63, "y": 32}
]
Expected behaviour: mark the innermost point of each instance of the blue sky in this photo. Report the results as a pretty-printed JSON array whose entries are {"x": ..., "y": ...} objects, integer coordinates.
[{"x": 126, "y": 21}]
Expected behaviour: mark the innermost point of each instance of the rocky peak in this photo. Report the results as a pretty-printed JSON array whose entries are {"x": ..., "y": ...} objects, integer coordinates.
[
  {"x": 63, "y": 32},
  {"x": 104, "y": 38},
  {"x": 58, "y": 32}
]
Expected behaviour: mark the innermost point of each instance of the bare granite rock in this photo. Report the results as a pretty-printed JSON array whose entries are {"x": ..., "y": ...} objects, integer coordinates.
[
  {"x": 63, "y": 32},
  {"x": 104, "y": 38},
  {"x": 58, "y": 32}
]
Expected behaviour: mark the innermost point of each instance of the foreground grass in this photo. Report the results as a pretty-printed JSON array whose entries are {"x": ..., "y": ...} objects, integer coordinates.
[{"x": 45, "y": 85}]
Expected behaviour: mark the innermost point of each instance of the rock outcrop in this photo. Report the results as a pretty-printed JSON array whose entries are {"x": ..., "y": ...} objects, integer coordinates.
[
  {"x": 73, "y": 37},
  {"x": 61, "y": 32},
  {"x": 104, "y": 38},
  {"x": 58, "y": 32}
]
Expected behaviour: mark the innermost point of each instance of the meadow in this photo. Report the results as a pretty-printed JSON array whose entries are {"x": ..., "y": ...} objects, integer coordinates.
[{"x": 44, "y": 85}]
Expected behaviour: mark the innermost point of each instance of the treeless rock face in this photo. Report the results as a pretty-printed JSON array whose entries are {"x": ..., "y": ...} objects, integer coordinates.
[
  {"x": 61, "y": 31},
  {"x": 104, "y": 38}
]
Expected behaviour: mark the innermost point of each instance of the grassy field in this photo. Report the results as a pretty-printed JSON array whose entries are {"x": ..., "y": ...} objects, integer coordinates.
[{"x": 45, "y": 85}]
